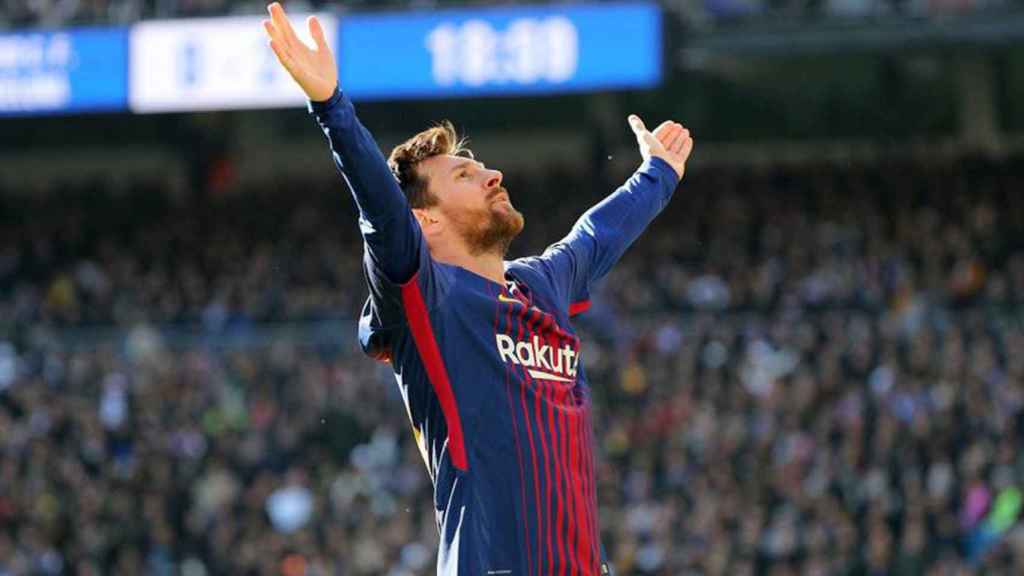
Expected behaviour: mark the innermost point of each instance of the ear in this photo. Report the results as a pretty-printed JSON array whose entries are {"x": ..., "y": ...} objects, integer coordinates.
[{"x": 430, "y": 221}]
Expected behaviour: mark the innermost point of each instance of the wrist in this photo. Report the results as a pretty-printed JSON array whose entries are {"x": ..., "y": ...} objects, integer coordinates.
[
  {"x": 316, "y": 106},
  {"x": 323, "y": 94},
  {"x": 661, "y": 167}
]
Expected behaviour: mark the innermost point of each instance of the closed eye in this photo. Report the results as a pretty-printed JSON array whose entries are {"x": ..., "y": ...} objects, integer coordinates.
[{"x": 464, "y": 169}]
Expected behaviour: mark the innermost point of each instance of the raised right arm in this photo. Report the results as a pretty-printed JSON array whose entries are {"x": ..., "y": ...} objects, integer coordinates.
[{"x": 392, "y": 235}]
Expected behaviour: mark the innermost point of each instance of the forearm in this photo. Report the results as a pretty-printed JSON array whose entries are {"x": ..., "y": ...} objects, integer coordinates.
[
  {"x": 619, "y": 219},
  {"x": 385, "y": 219},
  {"x": 360, "y": 160}
]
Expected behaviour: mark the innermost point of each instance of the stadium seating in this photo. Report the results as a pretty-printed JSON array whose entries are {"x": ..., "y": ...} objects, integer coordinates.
[{"x": 800, "y": 370}]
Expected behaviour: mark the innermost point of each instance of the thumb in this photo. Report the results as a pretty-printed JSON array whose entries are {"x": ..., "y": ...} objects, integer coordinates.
[
  {"x": 317, "y": 32},
  {"x": 637, "y": 125},
  {"x": 653, "y": 141}
]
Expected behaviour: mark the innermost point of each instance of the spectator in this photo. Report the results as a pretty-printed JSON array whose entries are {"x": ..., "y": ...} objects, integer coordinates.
[{"x": 801, "y": 383}]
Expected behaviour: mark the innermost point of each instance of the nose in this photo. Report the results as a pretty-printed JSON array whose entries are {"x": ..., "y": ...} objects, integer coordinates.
[{"x": 493, "y": 179}]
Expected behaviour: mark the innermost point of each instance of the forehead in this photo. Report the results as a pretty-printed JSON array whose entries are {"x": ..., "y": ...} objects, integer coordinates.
[{"x": 444, "y": 165}]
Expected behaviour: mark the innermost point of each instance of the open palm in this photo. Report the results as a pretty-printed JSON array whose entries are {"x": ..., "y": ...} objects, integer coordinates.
[
  {"x": 670, "y": 141},
  {"x": 313, "y": 69}
]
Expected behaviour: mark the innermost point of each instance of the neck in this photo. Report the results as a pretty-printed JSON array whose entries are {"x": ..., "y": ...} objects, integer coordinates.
[{"x": 488, "y": 265}]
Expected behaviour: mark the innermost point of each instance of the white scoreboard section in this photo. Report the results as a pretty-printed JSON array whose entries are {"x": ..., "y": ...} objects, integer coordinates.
[{"x": 212, "y": 64}]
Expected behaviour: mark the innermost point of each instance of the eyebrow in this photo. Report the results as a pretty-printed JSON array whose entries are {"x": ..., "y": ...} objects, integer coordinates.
[{"x": 461, "y": 165}]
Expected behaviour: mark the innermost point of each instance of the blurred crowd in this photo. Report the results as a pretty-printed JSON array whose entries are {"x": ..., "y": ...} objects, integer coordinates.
[
  {"x": 60, "y": 13},
  {"x": 803, "y": 370},
  {"x": 694, "y": 13}
]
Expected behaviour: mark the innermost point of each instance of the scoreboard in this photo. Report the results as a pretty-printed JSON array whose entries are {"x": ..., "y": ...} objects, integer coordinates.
[
  {"x": 74, "y": 70},
  {"x": 211, "y": 64},
  {"x": 226, "y": 63},
  {"x": 541, "y": 49}
]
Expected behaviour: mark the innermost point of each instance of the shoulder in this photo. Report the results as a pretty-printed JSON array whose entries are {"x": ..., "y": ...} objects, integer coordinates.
[
  {"x": 529, "y": 265},
  {"x": 535, "y": 271},
  {"x": 447, "y": 271}
]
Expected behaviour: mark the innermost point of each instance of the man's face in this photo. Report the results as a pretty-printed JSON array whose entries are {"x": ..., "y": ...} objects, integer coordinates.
[{"x": 473, "y": 202}]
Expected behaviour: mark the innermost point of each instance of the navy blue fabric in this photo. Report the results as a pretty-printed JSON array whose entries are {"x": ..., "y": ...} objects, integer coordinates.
[{"x": 526, "y": 503}]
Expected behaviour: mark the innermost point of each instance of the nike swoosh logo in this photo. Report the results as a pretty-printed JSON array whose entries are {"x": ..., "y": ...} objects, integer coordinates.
[
  {"x": 547, "y": 376},
  {"x": 508, "y": 300}
]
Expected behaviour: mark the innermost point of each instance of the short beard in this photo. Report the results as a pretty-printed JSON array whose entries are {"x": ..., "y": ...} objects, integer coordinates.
[{"x": 494, "y": 234}]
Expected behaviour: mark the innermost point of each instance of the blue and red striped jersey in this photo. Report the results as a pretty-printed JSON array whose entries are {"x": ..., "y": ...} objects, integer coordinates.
[{"x": 491, "y": 373}]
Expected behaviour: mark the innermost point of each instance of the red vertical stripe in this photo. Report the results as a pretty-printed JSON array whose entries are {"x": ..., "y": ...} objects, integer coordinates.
[
  {"x": 588, "y": 533},
  {"x": 430, "y": 355},
  {"x": 585, "y": 492},
  {"x": 550, "y": 468},
  {"x": 574, "y": 498},
  {"x": 556, "y": 420},
  {"x": 528, "y": 383},
  {"x": 577, "y": 494},
  {"x": 581, "y": 510},
  {"x": 515, "y": 431},
  {"x": 554, "y": 485},
  {"x": 581, "y": 488},
  {"x": 594, "y": 515},
  {"x": 540, "y": 392},
  {"x": 556, "y": 443},
  {"x": 589, "y": 475},
  {"x": 566, "y": 419},
  {"x": 529, "y": 436}
]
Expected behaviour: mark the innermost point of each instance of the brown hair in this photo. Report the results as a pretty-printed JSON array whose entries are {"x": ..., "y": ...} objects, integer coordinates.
[{"x": 438, "y": 140}]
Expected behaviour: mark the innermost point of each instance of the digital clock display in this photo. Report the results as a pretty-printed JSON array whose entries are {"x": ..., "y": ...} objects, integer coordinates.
[
  {"x": 529, "y": 50},
  {"x": 542, "y": 49}
]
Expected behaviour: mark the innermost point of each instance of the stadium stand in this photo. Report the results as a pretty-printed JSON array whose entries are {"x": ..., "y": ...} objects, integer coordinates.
[
  {"x": 699, "y": 14},
  {"x": 798, "y": 370}
]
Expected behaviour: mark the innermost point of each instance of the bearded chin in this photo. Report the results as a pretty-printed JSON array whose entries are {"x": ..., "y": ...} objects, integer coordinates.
[{"x": 496, "y": 233}]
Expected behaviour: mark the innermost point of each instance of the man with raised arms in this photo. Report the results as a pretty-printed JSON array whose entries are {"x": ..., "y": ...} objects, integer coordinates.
[{"x": 482, "y": 347}]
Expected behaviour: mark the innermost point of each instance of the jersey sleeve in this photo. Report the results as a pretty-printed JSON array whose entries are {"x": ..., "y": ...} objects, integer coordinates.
[
  {"x": 392, "y": 237},
  {"x": 391, "y": 306},
  {"x": 396, "y": 261},
  {"x": 603, "y": 233}
]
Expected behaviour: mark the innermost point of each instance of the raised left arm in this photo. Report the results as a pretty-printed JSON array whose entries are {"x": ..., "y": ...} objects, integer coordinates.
[{"x": 603, "y": 233}]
